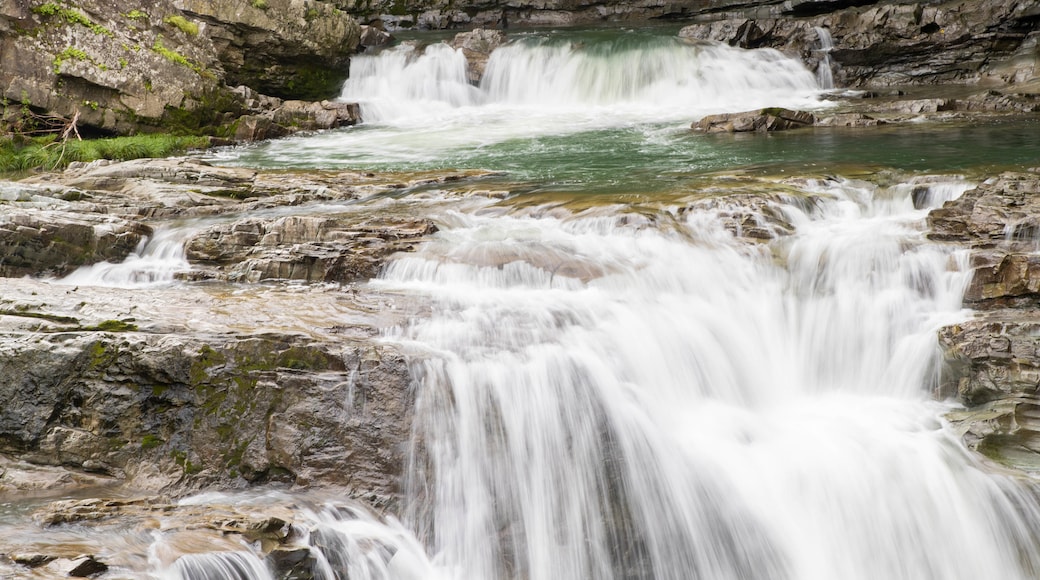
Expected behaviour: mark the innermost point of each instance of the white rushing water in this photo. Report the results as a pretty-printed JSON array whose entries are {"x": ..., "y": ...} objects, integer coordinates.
[
  {"x": 418, "y": 105},
  {"x": 614, "y": 395},
  {"x": 156, "y": 261},
  {"x": 607, "y": 400}
]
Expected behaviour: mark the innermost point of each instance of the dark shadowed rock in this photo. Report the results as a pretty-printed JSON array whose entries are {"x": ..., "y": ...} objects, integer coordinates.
[{"x": 180, "y": 412}]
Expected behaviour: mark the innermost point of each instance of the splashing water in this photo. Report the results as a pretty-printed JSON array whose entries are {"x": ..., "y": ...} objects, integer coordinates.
[
  {"x": 156, "y": 261},
  {"x": 602, "y": 400}
]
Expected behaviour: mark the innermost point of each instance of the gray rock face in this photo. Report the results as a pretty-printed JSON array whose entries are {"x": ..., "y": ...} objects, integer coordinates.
[
  {"x": 117, "y": 71},
  {"x": 170, "y": 411},
  {"x": 961, "y": 41},
  {"x": 285, "y": 48},
  {"x": 55, "y": 242},
  {"x": 121, "y": 69}
]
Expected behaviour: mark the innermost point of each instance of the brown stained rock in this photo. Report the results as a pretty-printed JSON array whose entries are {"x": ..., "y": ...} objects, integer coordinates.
[
  {"x": 993, "y": 367},
  {"x": 477, "y": 45}
]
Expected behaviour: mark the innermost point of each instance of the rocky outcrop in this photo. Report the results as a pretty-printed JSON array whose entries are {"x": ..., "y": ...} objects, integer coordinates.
[
  {"x": 124, "y": 69},
  {"x": 999, "y": 221},
  {"x": 774, "y": 119},
  {"x": 477, "y": 46},
  {"x": 116, "y": 68},
  {"x": 285, "y": 48},
  {"x": 962, "y": 41},
  {"x": 55, "y": 242},
  {"x": 161, "y": 392},
  {"x": 310, "y": 248},
  {"x": 993, "y": 360},
  {"x": 162, "y": 410}
]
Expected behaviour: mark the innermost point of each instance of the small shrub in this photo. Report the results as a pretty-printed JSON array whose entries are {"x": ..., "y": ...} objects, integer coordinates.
[{"x": 135, "y": 14}]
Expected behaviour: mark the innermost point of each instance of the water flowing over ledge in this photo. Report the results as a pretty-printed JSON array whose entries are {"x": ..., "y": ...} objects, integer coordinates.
[
  {"x": 609, "y": 400},
  {"x": 668, "y": 374}
]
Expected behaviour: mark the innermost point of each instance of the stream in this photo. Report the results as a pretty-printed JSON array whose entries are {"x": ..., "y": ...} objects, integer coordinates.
[{"x": 622, "y": 371}]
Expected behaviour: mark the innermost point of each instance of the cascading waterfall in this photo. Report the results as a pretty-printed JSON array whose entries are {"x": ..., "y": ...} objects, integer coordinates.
[
  {"x": 608, "y": 400},
  {"x": 619, "y": 395},
  {"x": 156, "y": 261},
  {"x": 423, "y": 105},
  {"x": 825, "y": 72}
]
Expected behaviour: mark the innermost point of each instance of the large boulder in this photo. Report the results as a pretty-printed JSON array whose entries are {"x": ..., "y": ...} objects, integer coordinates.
[
  {"x": 477, "y": 46},
  {"x": 293, "y": 49},
  {"x": 172, "y": 411},
  {"x": 168, "y": 64},
  {"x": 112, "y": 68}
]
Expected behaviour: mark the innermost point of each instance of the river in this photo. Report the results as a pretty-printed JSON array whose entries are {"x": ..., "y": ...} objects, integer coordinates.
[{"x": 626, "y": 372}]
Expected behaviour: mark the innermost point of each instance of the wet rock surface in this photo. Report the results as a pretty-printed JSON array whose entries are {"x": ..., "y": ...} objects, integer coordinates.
[
  {"x": 993, "y": 359},
  {"x": 204, "y": 385}
]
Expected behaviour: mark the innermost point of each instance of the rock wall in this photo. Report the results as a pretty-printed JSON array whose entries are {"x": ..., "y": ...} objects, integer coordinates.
[
  {"x": 123, "y": 68},
  {"x": 168, "y": 411},
  {"x": 991, "y": 42},
  {"x": 109, "y": 384},
  {"x": 993, "y": 360}
]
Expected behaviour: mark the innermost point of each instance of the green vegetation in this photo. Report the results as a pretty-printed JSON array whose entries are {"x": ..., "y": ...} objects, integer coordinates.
[
  {"x": 49, "y": 153},
  {"x": 260, "y": 4},
  {"x": 72, "y": 16},
  {"x": 135, "y": 14},
  {"x": 174, "y": 56},
  {"x": 150, "y": 441},
  {"x": 185, "y": 25},
  {"x": 70, "y": 53},
  {"x": 312, "y": 13},
  {"x": 41, "y": 315},
  {"x": 113, "y": 326}
]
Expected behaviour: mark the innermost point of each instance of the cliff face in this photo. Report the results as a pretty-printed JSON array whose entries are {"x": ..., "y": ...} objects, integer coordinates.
[
  {"x": 123, "y": 68},
  {"x": 989, "y": 42}
]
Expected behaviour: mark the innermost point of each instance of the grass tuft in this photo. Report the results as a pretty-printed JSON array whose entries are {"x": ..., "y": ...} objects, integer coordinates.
[{"x": 19, "y": 155}]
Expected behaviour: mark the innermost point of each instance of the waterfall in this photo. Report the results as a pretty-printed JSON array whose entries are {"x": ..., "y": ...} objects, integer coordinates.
[
  {"x": 603, "y": 399},
  {"x": 157, "y": 260},
  {"x": 824, "y": 71},
  {"x": 538, "y": 84},
  {"x": 218, "y": 566}
]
